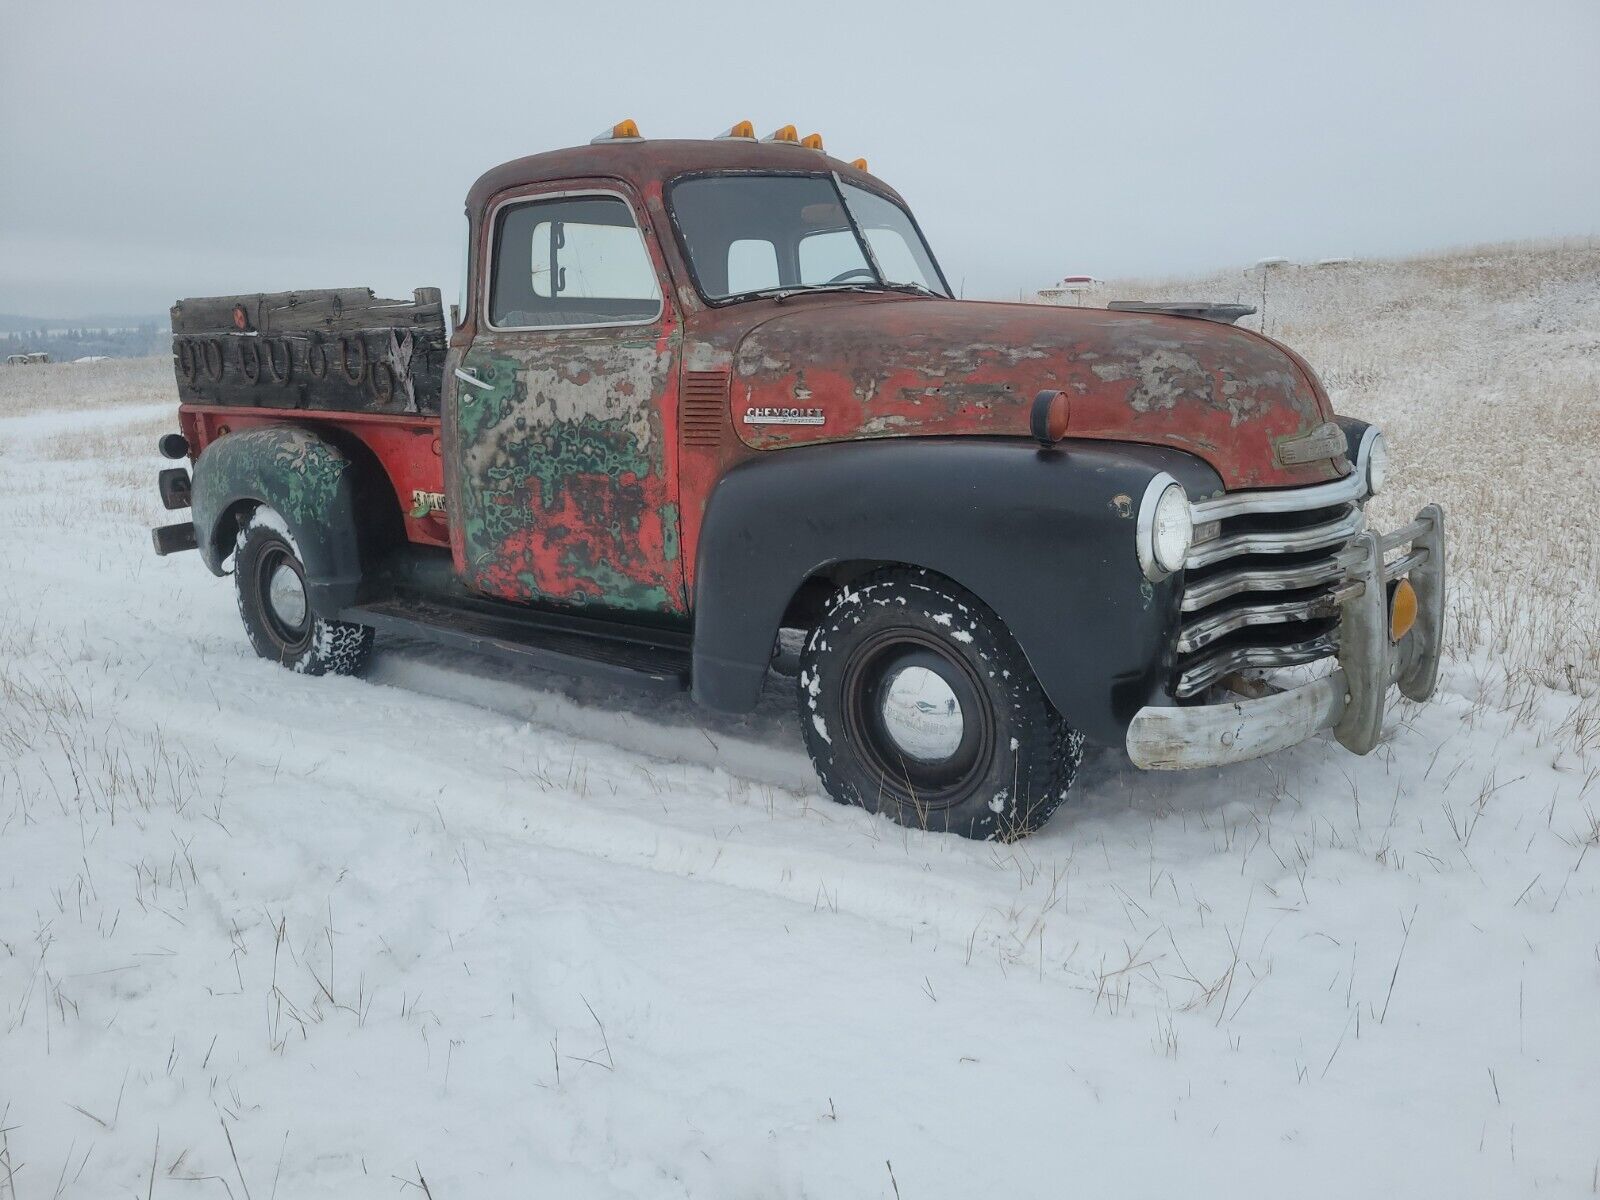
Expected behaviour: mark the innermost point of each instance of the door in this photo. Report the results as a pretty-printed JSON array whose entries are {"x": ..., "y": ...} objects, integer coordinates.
[{"x": 561, "y": 445}]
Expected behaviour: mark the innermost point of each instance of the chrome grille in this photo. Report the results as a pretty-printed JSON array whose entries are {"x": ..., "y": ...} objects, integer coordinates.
[{"x": 1265, "y": 590}]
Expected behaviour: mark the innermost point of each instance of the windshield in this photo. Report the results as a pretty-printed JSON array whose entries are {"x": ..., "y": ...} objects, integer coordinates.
[{"x": 762, "y": 234}]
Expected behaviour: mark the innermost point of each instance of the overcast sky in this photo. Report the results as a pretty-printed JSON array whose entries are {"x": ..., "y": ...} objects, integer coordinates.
[{"x": 155, "y": 150}]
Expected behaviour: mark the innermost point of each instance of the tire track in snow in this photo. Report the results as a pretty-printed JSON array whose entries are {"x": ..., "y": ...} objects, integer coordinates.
[{"x": 481, "y": 773}]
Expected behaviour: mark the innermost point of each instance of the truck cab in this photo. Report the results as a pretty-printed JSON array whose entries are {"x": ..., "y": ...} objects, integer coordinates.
[{"x": 698, "y": 392}]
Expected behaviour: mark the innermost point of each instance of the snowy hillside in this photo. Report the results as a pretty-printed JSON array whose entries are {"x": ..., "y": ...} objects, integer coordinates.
[{"x": 457, "y": 933}]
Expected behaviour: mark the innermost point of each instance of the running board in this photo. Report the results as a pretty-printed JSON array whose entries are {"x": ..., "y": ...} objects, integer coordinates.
[{"x": 648, "y": 659}]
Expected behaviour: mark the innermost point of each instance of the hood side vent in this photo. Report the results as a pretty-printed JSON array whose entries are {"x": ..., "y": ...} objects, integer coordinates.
[{"x": 703, "y": 408}]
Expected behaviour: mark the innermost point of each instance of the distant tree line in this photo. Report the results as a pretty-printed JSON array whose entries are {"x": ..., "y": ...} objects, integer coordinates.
[{"x": 64, "y": 345}]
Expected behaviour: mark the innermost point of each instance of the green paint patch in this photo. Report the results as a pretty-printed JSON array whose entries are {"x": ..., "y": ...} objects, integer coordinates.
[
  {"x": 669, "y": 532},
  {"x": 572, "y": 510},
  {"x": 622, "y": 590},
  {"x": 285, "y": 467}
]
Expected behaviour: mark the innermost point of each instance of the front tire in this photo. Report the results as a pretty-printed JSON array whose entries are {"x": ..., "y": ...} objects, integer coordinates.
[
  {"x": 270, "y": 583},
  {"x": 916, "y": 702}
]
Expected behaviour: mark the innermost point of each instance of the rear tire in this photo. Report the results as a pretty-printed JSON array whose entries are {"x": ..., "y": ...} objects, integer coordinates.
[
  {"x": 916, "y": 702},
  {"x": 270, "y": 584}
]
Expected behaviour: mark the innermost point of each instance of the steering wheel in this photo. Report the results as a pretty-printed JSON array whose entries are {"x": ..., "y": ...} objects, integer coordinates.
[{"x": 853, "y": 272}]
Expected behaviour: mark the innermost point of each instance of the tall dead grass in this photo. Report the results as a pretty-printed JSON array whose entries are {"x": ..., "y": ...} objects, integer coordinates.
[
  {"x": 74, "y": 387},
  {"x": 1483, "y": 367}
]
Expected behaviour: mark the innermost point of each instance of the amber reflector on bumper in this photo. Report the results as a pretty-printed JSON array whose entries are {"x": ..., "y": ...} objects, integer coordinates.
[{"x": 1402, "y": 610}]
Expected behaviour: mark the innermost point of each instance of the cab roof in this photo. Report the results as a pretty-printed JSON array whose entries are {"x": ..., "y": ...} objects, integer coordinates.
[{"x": 645, "y": 161}]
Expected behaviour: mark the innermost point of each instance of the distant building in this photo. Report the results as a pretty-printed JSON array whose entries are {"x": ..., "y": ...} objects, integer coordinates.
[
  {"x": 20, "y": 360},
  {"x": 1070, "y": 288}
]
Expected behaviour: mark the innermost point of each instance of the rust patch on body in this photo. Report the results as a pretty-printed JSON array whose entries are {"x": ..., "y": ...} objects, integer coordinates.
[
  {"x": 568, "y": 493},
  {"x": 902, "y": 367}
]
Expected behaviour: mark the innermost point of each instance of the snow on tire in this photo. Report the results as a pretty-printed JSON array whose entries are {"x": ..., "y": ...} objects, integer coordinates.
[
  {"x": 274, "y": 603},
  {"x": 916, "y": 702}
]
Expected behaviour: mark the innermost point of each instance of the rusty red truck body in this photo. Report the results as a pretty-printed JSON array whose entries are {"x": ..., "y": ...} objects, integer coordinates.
[{"x": 697, "y": 393}]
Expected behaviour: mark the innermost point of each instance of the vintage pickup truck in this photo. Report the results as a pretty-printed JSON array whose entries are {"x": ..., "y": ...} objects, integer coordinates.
[{"x": 701, "y": 392}]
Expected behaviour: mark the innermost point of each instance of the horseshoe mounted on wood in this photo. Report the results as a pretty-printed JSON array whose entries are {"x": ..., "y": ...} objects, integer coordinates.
[
  {"x": 281, "y": 378},
  {"x": 353, "y": 378},
  {"x": 317, "y": 358},
  {"x": 382, "y": 381},
  {"x": 250, "y": 359}
]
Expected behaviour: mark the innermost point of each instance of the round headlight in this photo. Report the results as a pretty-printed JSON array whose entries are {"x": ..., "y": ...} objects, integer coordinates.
[
  {"x": 1377, "y": 464},
  {"x": 1166, "y": 528},
  {"x": 1173, "y": 529}
]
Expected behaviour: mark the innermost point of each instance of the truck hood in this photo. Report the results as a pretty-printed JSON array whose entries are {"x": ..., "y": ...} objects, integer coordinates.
[{"x": 919, "y": 367}]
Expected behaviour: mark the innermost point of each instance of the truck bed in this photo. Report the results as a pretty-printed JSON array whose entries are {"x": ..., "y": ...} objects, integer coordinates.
[{"x": 337, "y": 349}]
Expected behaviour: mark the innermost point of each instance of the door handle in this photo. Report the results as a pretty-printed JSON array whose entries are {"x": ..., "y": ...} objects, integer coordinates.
[{"x": 466, "y": 376}]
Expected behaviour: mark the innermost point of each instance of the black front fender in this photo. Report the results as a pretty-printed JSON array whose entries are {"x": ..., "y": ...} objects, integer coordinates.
[{"x": 1046, "y": 538}]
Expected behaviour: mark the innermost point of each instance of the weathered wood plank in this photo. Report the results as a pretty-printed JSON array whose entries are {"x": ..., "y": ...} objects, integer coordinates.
[
  {"x": 333, "y": 310},
  {"x": 341, "y": 349}
]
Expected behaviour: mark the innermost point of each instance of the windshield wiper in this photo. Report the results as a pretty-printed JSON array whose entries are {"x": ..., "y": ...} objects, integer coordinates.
[
  {"x": 916, "y": 289},
  {"x": 784, "y": 291}
]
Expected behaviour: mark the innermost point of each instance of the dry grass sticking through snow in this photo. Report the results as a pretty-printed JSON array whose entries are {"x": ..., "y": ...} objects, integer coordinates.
[
  {"x": 1483, "y": 367},
  {"x": 453, "y": 930}
]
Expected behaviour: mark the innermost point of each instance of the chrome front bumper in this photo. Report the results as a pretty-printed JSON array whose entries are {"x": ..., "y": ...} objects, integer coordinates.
[{"x": 1352, "y": 699}]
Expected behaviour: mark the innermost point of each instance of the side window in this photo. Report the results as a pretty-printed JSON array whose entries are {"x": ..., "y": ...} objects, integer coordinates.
[
  {"x": 577, "y": 260},
  {"x": 752, "y": 264}
]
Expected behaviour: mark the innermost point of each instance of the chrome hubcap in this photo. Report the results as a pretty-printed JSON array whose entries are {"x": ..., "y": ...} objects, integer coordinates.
[
  {"x": 922, "y": 715},
  {"x": 286, "y": 592}
]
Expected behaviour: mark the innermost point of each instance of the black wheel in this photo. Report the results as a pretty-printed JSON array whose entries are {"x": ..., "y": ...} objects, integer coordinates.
[
  {"x": 270, "y": 582},
  {"x": 916, "y": 702}
]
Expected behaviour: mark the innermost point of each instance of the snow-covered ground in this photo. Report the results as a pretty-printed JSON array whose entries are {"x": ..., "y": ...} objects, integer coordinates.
[{"x": 456, "y": 932}]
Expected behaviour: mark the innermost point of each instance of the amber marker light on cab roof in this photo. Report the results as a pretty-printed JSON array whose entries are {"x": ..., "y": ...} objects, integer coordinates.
[
  {"x": 743, "y": 130},
  {"x": 812, "y": 141},
  {"x": 622, "y": 131},
  {"x": 786, "y": 133},
  {"x": 859, "y": 164}
]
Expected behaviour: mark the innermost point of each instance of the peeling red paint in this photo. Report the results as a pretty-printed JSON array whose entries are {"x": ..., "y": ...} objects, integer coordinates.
[
  {"x": 569, "y": 492},
  {"x": 559, "y": 558},
  {"x": 905, "y": 367},
  {"x": 406, "y": 446}
]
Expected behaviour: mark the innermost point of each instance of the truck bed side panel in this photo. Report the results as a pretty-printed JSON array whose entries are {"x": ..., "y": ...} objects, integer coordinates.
[
  {"x": 340, "y": 350},
  {"x": 406, "y": 448}
]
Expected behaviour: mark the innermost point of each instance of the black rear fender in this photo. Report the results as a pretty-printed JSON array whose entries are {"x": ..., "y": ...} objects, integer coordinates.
[{"x": 326, "y": 495}]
